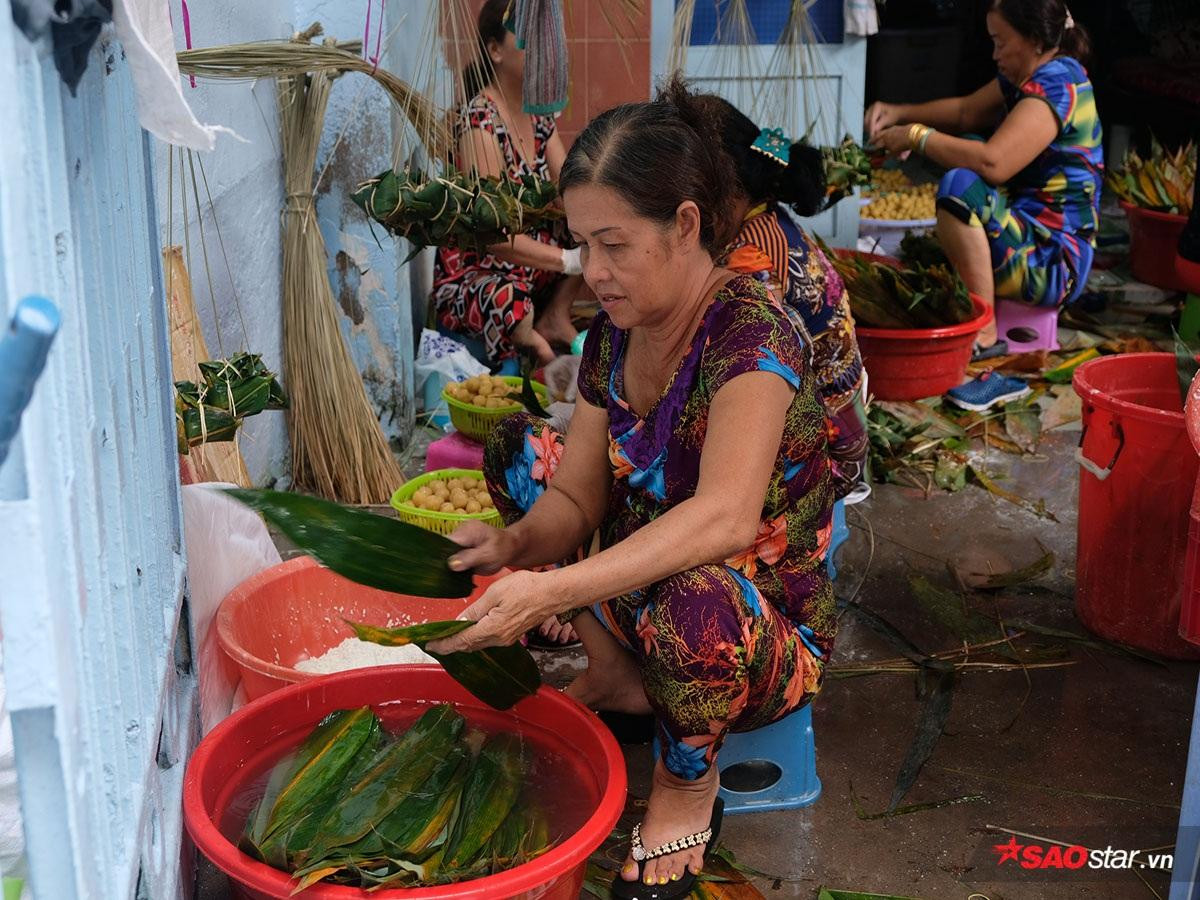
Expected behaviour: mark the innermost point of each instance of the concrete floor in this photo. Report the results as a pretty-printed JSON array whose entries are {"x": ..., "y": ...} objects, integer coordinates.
[
  {"x": 1105, "y": 726},
  {"x": 1108, "y": 726}
]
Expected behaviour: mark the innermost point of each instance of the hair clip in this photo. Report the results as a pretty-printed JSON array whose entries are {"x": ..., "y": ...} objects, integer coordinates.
[{"x": 772, "y": 142}]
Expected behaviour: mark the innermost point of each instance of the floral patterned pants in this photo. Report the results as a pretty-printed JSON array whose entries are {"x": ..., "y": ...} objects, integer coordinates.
[{"x": 715, "y": 656}]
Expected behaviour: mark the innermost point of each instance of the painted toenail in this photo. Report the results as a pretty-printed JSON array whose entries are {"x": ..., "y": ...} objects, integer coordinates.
[
  {"x": 662, "y": 879},
  {"x": 675, "y": 876}
]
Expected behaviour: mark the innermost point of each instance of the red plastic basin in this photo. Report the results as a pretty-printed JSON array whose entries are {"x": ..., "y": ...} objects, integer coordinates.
[
  {"x": 1153, "y": 246},
  {"x": 914, "y": 363},
  {"x": 240, "y": 750},
  {"x": 296, "y": 610}
]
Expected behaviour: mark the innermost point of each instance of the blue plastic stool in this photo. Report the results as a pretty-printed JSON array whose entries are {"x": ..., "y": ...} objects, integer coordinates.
[
  {"x": 771, "y": 768},
  {"x": 836, "y": 538}
]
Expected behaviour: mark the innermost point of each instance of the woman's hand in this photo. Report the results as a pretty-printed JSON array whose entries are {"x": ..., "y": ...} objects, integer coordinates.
[
  {"x": 878, "y": 117},
  {"x": 508, "y": 608},
  {"x": 895, "y": 141},
  {"x": 487, "y": 550}
]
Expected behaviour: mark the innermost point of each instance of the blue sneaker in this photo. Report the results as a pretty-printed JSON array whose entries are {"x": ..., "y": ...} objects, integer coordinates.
[{"x": 986, "y": 391}]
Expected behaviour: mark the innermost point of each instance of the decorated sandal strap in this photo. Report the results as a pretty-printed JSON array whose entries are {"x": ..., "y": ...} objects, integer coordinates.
[{"x": 640, "y": 853}]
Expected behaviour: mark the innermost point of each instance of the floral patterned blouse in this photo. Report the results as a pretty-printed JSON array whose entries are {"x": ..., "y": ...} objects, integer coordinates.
[{"x": 656, "y": 458}]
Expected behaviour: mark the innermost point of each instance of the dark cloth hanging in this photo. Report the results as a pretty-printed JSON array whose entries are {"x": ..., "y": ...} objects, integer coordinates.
[{"x": 74, "y": 27}]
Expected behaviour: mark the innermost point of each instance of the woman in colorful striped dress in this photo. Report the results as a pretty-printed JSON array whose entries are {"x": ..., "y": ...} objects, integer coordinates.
[
  {"x": 773, "y": 249},
  {"x": 1018, "y": 212}
]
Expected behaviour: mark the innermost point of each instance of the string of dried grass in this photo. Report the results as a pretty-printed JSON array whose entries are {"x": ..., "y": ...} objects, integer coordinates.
[
  {"x": 338, "y": 448},
  {"x": 277, "y": 59}
]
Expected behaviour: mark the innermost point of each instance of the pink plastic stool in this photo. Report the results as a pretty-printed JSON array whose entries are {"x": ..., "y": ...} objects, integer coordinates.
[
  {"x": 454, "y": 452},
  {"x": 1026, "y": 327}
]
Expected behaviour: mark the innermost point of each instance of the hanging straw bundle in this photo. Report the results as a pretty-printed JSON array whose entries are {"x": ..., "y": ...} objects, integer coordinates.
[
  {"x": 338, "y": 448},
  {"x": 275, "y": 59}
]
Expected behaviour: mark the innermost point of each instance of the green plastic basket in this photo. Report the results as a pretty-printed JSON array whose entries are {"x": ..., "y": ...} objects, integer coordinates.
[
  {"x": 432, "y": 520},
  {"x": 476, "y": 422}
]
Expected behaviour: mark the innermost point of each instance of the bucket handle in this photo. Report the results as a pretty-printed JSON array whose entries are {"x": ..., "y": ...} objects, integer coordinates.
[{"x": 1089, "y": 466}]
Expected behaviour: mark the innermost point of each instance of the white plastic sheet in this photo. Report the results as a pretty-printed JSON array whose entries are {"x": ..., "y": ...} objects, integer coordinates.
[
  {"x": 226, "y": 544},
  {"x": 144, "y": 30}
]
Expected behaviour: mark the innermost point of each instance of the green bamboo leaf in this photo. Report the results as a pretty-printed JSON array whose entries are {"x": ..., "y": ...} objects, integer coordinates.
[
  {"x": 489, "y": 795},
  {"x": 286, "y": 847},
  {"x": 379, "y": 552},
  {"x": 397, "y": 771},
  {"x": 324, "y": 757},
  {"x": 499, "y": 676},
  {"x": 413, "y": 826}
]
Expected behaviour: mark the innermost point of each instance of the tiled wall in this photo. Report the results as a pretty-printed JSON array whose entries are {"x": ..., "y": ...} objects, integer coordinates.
[{"x": 601, "y": 77}]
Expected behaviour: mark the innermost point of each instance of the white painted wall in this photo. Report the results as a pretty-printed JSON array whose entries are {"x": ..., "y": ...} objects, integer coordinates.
[{"x": 247, "y": 188}]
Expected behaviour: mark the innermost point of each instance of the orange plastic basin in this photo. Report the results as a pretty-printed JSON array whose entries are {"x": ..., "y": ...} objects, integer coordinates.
[{"x": 297, "y": 610}]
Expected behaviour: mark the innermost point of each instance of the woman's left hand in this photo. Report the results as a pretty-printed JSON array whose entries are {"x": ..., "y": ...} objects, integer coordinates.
[
  {"x": 895, "y": 140},
  {"x": 508, "y": 608}
]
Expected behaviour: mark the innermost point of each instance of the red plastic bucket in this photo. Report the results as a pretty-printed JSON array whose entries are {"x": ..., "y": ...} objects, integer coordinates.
[
  {"x": 297, "y": 610},
  {"x": 242, "y": 748},
  {"x": 1153, "y": 246},
  {"x": 1137, "y": 473}
]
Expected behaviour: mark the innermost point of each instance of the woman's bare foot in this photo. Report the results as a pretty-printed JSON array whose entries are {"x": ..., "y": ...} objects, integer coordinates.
[
  {"x": 676, "y": 809},
  {"x": 612, "y": 680}
]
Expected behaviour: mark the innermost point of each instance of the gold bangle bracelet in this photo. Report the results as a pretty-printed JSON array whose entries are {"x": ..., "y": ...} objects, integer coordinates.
[{"x": 914, "y": 131}]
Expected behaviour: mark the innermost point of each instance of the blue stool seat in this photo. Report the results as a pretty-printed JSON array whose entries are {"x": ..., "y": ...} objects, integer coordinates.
[
  {"x": 836, "y": 538},
  {"x": 771, "y": 768}
]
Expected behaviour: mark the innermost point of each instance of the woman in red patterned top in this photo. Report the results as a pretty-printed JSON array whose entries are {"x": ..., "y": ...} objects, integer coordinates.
[{"x": 496, "y": 296}]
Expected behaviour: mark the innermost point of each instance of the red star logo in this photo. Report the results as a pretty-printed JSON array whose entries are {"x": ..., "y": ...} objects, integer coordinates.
[{"x": 1007, "y": 851}]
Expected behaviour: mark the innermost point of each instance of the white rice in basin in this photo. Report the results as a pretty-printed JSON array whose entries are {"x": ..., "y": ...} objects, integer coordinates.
[{"x": 355, "y": 654}]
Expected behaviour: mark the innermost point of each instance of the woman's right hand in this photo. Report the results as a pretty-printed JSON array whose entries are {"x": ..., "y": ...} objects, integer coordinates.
[
  {"x": 880, "y": 116},
  {"x": 487, "y": 549}
]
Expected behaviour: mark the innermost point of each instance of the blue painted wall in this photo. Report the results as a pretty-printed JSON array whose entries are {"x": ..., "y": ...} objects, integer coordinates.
[{"x": 369, "y": 282}]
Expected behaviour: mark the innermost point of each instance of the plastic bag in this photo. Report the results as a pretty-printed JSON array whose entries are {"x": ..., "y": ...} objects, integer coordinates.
[
  {"x": 226, "y": 544},
  {"x": 562, "y": 378},
  {"x": 441, "y": 360}
]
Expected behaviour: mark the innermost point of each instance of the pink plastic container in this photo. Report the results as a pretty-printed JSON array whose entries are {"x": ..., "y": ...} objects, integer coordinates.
[
  {"x": 454, "y": 451},
  {"x": 296, "y": 610},
  {"x": 247, "y": 744}
]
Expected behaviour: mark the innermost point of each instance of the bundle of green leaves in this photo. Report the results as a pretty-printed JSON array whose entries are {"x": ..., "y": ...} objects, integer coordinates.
[
  {"x": 233, "y": 389},
  {"x": 456, "y": 208},
  {"x": 436, "y": 804},
  {"x": 914, "y": 296},
  {"x": 847, "y": 165}
]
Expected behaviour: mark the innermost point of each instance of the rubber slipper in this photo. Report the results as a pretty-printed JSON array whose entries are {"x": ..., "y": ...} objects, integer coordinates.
[
  {"x": 638, "y": 890},
  {"x": 535, "y": 639}
]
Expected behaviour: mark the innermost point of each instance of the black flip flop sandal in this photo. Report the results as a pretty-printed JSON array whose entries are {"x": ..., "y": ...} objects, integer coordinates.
[
  {"x": 631, "y": 729},
  {"x": 672, "y": 890},
  {"x": 535, "y": 640}
]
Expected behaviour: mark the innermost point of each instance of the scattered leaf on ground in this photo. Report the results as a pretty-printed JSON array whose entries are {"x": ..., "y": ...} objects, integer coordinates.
[
  {"x": 950, "y": 611},
  {"x": 930, "y": 724},
  {"x": 1037, "y": 507},
  {"x": 1024, "y": 575}
]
